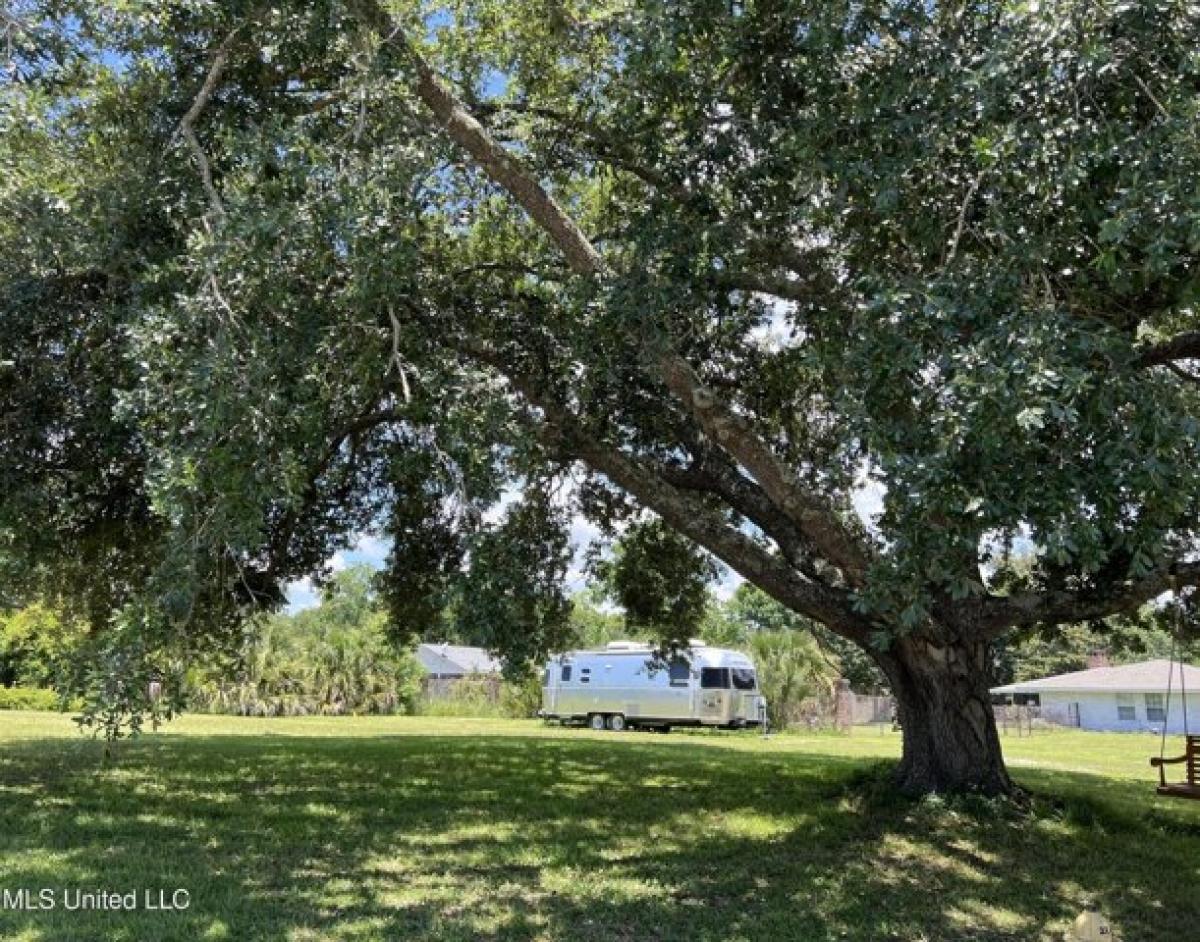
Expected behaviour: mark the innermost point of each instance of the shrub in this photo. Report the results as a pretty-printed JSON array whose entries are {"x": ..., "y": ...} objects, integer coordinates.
[
  {"x": 483, "y": 697},
  {"x": 793, "y": 675},
  {"x": 334, "y": 660},
  {"x": 470, "y": 696},
  {"x": 522, "y": 699},
  {"x": 28, "y": 698},
  {"x": 35, "y": 643}
]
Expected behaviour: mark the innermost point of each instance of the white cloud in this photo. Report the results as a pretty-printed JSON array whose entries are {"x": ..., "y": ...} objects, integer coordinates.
[
  {"x": 868, "y": 502},
  {"x": 728, "y": 584},
  {"x": 776, "y": 332},
  {"x": 508, "y": 497},
  {"x": 576, "y": 578},
  {"x": 301, "y": 594},
  {"x": 867, "y": 498},
  {"x": 372, "y": 549}
]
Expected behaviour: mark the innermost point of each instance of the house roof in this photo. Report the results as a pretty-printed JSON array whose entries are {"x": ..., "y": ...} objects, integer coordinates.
[
  {"x": 456, "y": 659},
  {"x": 1142, "y": 677}
]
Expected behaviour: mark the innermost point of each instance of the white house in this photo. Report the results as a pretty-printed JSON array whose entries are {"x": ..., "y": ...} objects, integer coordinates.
[{"x": 1129, "y": 697}]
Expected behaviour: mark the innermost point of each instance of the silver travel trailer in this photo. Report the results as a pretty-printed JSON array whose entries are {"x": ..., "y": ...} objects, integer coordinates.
[{"x": 623, "y": 685}]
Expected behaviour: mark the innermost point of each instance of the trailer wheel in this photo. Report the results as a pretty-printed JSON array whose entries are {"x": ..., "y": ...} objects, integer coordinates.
[
  {"x": 596, "y": 721},
  {"x": 616, "y": 723}
]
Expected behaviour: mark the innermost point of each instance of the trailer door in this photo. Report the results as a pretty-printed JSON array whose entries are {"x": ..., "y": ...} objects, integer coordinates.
[
  {"x": 550, "y": 689},
  {"x": 679, "y": 693},
  {"x": 560, "y": 677},
  {"x": 714, "y": 693}
]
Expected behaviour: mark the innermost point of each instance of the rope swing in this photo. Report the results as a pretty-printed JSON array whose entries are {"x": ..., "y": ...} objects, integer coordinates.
[{"x": 1190, "y": 788}]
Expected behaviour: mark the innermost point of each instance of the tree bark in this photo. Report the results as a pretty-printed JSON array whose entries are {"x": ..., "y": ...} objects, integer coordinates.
[{"x": 944, "y": 706}]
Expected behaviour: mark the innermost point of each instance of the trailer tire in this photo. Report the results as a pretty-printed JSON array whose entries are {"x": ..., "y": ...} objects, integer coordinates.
[
  {"x": 616, "y": 723},
  {"x": 596, "y": 721}
]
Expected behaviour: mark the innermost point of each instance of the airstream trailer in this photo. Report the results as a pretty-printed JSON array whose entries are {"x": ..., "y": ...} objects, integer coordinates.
[{"x": 625, "y": 685}]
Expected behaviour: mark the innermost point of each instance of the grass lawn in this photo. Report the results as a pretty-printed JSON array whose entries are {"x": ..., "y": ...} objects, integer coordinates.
[{"x": 405, "y": 828}]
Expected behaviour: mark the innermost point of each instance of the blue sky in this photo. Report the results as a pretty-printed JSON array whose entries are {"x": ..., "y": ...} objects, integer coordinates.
[
  {"x": 369, "y": 549},
  {"x": 373, "y": 550}
]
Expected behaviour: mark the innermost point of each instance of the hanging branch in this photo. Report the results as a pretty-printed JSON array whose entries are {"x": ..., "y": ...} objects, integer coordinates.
[{"x": 187, "y": 126}]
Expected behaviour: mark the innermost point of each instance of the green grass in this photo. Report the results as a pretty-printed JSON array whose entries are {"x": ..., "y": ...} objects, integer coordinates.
[{"x": 411, "y": 828}]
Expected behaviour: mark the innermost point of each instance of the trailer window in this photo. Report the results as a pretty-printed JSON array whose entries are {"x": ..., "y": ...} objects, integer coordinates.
[
  {"x": 714, "y": 678},
  {"x": 566, "y": 673},
  {"x": 585, "y": 675},
  {"x": 743, "y": 678},
  {"x": 680, "y": 673}
]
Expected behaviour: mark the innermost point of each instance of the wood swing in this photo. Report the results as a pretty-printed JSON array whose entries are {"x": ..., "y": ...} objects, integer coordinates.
[
  {"x": 1186, "y": 789},
  {"x": 1190, "y": 787}
]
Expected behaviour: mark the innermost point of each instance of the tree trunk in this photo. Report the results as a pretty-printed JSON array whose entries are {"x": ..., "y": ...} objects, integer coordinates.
[{"x": 944, "y": 708}]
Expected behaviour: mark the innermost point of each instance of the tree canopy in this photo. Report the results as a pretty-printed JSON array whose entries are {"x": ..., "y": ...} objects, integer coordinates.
[{"x": 275, "y": 275}]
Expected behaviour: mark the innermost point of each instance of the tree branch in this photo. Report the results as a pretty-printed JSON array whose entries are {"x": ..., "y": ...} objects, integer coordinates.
[
  {"x": 493, "y": 159},
  {"x": 740, "y": 493},
  {"x": 819, "y": 523},
  {"x": 600, "y": 147},
  {"x": 366, "y": 421},
  {"x": 1185, "y": 346},
  {"x": 1182, "y": 373},
  {"x": 598, "y": 142},
  {"x": 692, "y": 517},
  {"x": 961, "y": 224},
  {"x": 187, "y": 124},
  {"x": 994, "y": 615}
]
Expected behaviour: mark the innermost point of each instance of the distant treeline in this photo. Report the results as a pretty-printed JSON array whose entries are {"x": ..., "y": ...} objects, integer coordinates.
[{"x": 339, "y": 657}]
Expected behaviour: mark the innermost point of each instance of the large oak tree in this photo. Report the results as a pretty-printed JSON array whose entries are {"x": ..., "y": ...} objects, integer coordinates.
[{"x": 273, "y": 275}]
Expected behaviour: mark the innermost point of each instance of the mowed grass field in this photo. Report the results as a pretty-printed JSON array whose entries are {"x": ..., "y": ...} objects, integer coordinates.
[{"x": 407, "y": 828}]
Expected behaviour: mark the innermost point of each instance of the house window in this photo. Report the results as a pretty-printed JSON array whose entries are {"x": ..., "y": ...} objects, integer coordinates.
[
  {"x": 680, "y": 673},
  {"x": 566, "y": 673},
  {"x": 1126, "y": 711},
  {"x": 1155, "y": 711}
]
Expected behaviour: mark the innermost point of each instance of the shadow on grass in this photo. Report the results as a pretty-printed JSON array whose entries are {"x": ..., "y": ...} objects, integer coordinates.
[{"x": 499, "y": 837}]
